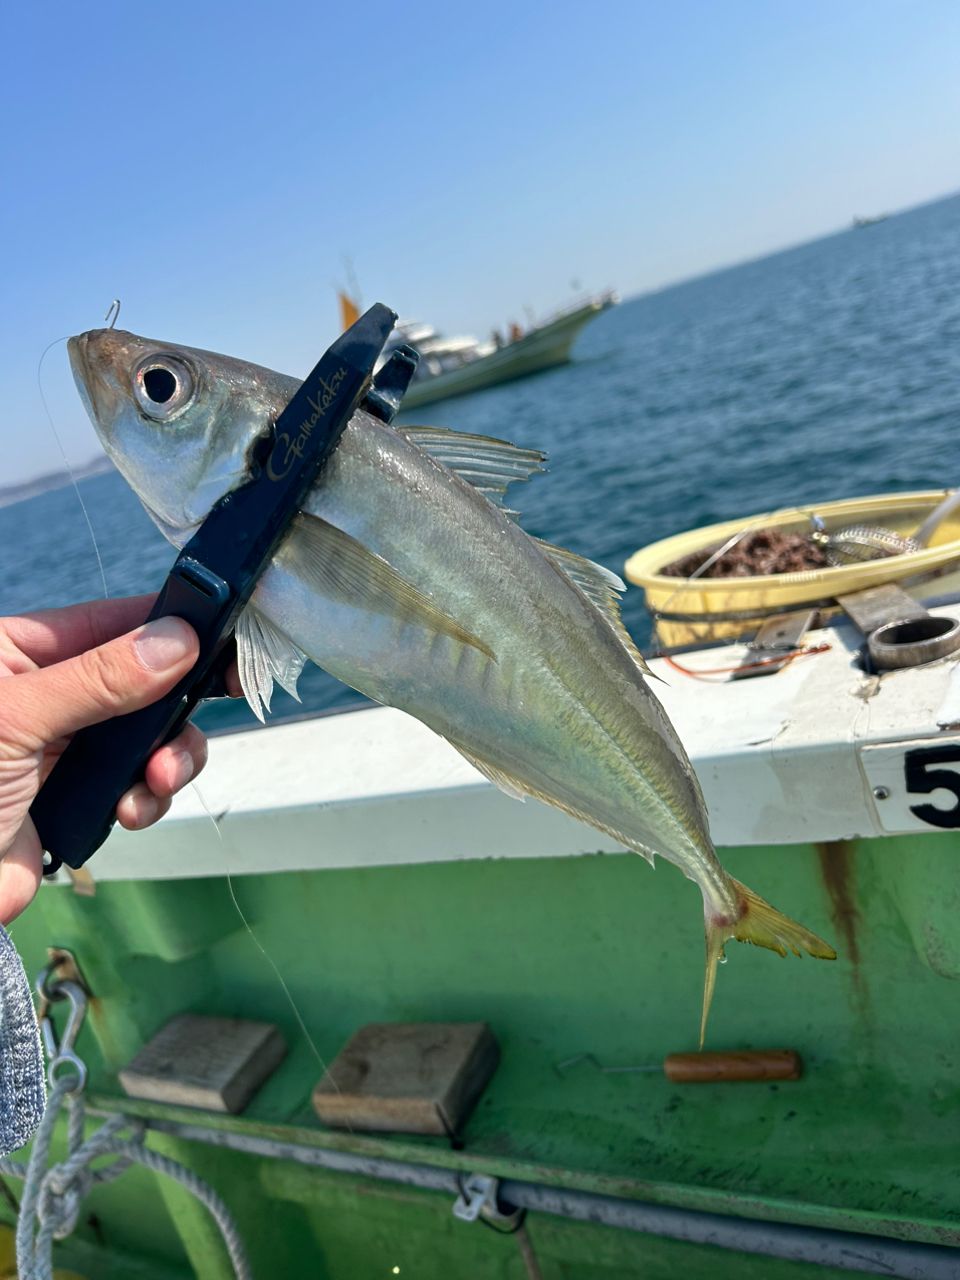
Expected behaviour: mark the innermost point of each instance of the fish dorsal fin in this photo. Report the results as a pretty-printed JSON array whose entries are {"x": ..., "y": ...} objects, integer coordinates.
[
  {"x": 518, "y": 790},
  {"x": 602, "y": 587},
  {"x": 265, "y": 655},
  {"x": 490, "y": 465}
]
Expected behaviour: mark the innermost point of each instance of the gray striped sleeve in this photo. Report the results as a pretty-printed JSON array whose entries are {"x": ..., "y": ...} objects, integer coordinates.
[{"x": 22, "y": 1082}]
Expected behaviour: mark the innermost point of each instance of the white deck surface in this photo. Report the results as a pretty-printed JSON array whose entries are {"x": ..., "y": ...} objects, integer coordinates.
[{"x": 792, "y": 757}]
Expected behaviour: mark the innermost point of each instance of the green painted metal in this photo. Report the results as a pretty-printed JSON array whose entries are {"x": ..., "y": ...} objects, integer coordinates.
[{"x": 562, "y": 957}]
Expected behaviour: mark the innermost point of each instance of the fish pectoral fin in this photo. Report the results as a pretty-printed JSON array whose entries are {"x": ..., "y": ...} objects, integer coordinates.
[
  {"x": 343, "y": 569},
  {"x": 264, "y": 655},
  {"x": 602, "y": 587},
  {"x": 490, "y": 465}
]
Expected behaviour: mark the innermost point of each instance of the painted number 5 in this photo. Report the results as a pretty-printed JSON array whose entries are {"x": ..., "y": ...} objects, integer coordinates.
[{"x": 924, "y": 773}]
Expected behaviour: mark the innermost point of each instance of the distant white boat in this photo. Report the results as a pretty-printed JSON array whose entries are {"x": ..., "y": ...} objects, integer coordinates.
[{"x": 458, "y": 365}]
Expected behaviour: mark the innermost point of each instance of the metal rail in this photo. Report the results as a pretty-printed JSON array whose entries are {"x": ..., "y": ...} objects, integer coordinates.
[{"x": 846, "y": 1250}]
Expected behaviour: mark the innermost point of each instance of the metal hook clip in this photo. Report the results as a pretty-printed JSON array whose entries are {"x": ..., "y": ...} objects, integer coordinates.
[
  {"x": 113, "y": 315},
  {"x": 478, "y": 1198},
  {"x": 59, "y": 1050}
]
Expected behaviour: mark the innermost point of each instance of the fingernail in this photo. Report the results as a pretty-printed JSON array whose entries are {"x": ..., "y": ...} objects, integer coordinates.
[
  {"x": 164, "y": 643},
  {"x": 146, "y": 809},
  {"x": 185, "y": 767},
  {"x": 138, "y": 808}
]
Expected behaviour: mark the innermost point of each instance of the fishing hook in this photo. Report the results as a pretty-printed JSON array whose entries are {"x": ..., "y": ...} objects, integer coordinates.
[{"x": 113, "y": 314}]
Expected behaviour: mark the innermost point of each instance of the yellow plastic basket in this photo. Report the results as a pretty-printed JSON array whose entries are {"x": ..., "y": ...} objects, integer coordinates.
[{"x": 689, "y": 610}]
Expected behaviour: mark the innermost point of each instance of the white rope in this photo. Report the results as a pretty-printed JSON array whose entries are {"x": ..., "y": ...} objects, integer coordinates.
[{"x": 52, "y": 1197}]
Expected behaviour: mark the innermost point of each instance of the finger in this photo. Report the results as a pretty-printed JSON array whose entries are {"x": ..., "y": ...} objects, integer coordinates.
[
  {"x": 20, "y": 873},
  {"x": 232, "y": 681},
  {"x": 171, "y": 767},
  {"x": 140, "y": 808},
  {"x": 52, "y": 635},
  {"x": 121, "y": 676}
]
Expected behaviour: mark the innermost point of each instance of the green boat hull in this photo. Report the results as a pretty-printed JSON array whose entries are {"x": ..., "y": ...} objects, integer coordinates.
[{"x": 562, "y": 957}]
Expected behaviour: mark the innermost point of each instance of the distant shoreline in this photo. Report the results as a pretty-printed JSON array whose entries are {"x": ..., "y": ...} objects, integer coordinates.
[{"x": 11, "y": 494}]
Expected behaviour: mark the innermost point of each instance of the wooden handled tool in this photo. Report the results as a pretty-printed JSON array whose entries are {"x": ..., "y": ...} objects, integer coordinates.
[{"x": 745, "y": 1064}]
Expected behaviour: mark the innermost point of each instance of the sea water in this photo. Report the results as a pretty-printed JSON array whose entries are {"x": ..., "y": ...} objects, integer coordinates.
[{"x": 826, "y": 371}]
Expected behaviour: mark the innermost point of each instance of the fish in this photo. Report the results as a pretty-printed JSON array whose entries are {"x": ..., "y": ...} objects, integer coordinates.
[{"x": 408, "y": 577}]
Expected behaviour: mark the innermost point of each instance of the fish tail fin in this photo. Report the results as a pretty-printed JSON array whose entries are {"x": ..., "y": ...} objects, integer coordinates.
[{"x": 763, "y": 925}]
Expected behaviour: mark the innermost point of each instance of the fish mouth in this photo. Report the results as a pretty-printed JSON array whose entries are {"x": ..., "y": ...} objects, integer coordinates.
[
  {"x": 82, "y": 377},
  {"x": 99, "y": 348},
  {"x": 77, "y": 354},
  {"x": 97, "y": 359}
]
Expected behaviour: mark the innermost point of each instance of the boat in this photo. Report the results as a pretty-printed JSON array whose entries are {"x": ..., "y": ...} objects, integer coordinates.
[
  {"x": 359, "y": 872},
  {"x": 859, "y": 223},
  {"x": 455, "y": 366}
]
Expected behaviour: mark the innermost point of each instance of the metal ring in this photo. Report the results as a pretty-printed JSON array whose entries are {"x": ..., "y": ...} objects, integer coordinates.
[
  {"x": 912, "y": 641},
  {"x": 72, "y": 1061}
]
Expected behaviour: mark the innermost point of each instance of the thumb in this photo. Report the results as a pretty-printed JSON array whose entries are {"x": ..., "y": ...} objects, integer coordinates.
[{"x": 123, "y": 675}]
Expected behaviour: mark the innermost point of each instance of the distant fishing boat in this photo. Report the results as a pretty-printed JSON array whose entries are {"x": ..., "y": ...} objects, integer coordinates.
[
  {"x": 859, "y": 223},
  {"x": 458, "y": 365}
]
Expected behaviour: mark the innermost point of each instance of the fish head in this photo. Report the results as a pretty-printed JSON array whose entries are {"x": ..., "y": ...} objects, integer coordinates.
[{"x": 181, "y": 425}]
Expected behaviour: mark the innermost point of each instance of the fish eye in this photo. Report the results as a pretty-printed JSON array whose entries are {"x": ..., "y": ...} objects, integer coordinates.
[{"x": 162, "y": 386}]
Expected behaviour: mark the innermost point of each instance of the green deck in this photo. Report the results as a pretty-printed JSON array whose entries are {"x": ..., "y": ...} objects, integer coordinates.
[{"x": 562, "y": 957}]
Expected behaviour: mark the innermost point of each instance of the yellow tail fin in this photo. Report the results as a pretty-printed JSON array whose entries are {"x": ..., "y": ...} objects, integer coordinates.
[{"x": 762, "y": 925}]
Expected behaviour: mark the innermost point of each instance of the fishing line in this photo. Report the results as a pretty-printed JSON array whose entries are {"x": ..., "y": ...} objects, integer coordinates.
[
  {"x": 66, "y": 461},
  {"x": 262, "y": 949},
  {"x": 700, "y": 673}
]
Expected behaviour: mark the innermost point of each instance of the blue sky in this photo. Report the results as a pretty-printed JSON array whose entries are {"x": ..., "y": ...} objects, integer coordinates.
[{"x": 210, "y": 164}]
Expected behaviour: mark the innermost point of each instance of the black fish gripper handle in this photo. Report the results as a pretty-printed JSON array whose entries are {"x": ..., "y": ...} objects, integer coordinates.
[{"x": 75, "y": 810}]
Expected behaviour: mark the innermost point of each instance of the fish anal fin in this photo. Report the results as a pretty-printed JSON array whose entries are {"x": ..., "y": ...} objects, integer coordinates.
[
  {"x": 512, "y": 786},
  {"x": 343, "y": 569}
]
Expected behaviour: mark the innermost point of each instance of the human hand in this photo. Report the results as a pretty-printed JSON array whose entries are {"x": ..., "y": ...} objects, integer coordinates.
[{"x": 64, "y": 669}]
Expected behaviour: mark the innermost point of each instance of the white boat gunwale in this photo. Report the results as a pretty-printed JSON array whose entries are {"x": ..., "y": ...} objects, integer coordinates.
[{"x": 795, "y": 757}]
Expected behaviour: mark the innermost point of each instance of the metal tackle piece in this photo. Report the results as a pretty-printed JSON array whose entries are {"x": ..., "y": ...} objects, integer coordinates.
[
  {"x": 779, "y": 638},
  {"x": 59, "y": 1049},
  {"x": 900, "y": 631},
  {"x": 478, "y": 1198}
]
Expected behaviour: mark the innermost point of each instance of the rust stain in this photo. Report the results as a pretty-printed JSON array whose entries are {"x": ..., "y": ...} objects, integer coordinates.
[
  {"x": 837, "y": 871},
  {"x": 104, "y": 1033}
]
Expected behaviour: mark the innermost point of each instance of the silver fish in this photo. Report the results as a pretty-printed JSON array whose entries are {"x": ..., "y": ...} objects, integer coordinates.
[{"x": 406, "y": 578}]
